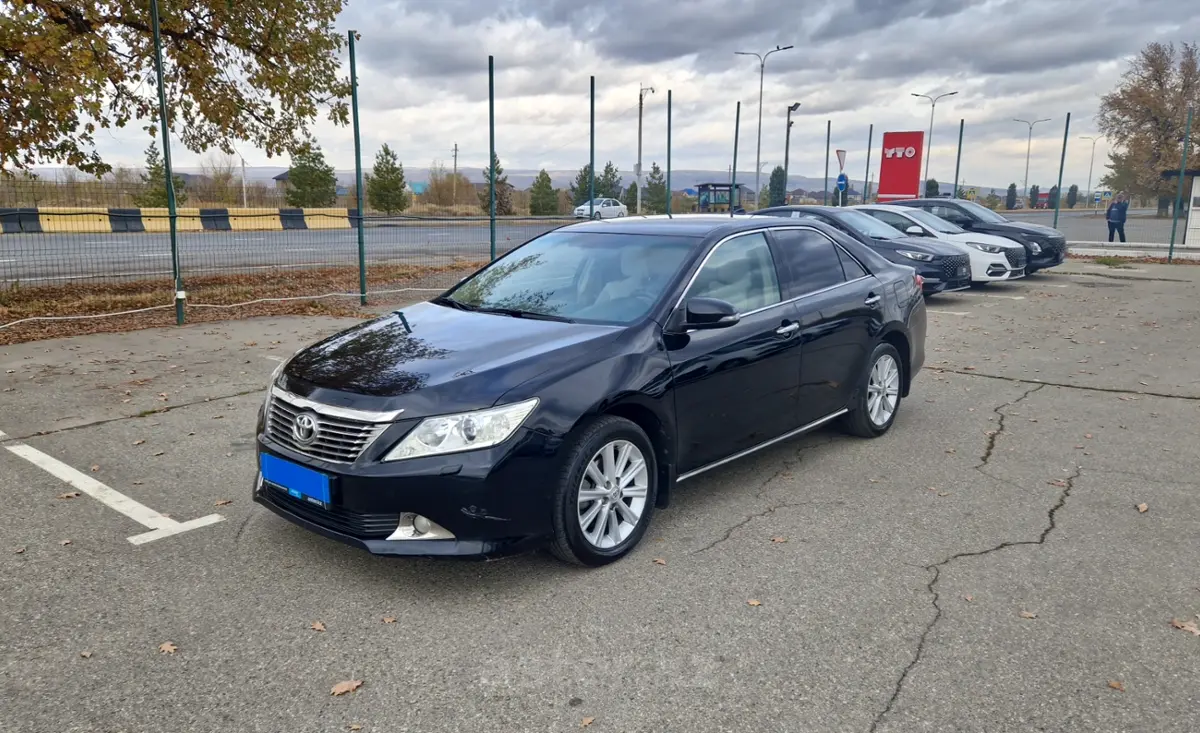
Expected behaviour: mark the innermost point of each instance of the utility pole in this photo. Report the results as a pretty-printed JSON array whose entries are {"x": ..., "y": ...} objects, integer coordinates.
[
  {"x": 454, "y": 179},
  {"x": 638, "y": 170},
  {"x": 1028, "y": 150},
  {"x": 929, "y": 142},
  {"x": 787, "y": 146},
  {"x": 762, "y": 69},
  {"x": 1090, "y": 166}
]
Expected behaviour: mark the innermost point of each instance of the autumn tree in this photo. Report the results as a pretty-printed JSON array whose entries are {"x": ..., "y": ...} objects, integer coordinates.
[
  {"x": 385, "y": 183},
  {"x": 543, "y": 199},
  {"x": 217, "y": 172},
  {"x": 504, "y": 198},
  {"x": 447, "y": 188},
  {"x": 154, "y": 183},
  {"x": 1144, "y": 118},
  {"x": 259, "y": 72},
  {"x": 311, "y": 181},
  {"x": 778, "y": 187}
]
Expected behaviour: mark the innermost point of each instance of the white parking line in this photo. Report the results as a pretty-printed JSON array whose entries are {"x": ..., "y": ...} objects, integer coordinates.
[
  {"x": 949, "y": 313},
  {"x": 159, "y": 525},
  {"x": 991, "y": 295}
]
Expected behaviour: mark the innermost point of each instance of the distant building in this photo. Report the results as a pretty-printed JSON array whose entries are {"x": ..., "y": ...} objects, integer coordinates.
[{"x": 281, "y": 180}]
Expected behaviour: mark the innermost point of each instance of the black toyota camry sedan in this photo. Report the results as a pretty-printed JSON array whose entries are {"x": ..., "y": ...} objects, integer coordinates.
[{"x": 558, "y": 395}]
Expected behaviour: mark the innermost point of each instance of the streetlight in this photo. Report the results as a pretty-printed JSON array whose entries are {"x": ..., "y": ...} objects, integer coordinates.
[
  {"x": 762, "y": 67},
  {"x": 787, "y": 145},
  {"x": 929, "y": 143},
  {"x": 1028, "y": 149},
  {"x": 1090, "y": 165}
]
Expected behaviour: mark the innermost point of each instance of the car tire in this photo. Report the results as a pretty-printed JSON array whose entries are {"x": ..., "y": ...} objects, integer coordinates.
[
  {"x": 595, "y": 540},
  {"x": 596, "y": 215},
  {"x": 862, "y": 421}
]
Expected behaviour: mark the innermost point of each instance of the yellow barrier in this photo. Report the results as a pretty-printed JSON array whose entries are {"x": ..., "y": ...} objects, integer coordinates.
[
  {"x": 327, "y": 218},
  {"x": 156, "y": 220},
  {"x": 255, "y": 220},
  {"x": 64, "y": 219}
]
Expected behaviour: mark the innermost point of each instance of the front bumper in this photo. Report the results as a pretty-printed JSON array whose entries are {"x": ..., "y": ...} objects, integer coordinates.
[
  {"x": 1052, "y": 255},
  {"x": 494, "y": 501}
]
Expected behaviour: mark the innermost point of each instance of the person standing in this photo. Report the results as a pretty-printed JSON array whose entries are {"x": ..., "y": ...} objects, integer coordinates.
[{"x": 1116, "y": 214}]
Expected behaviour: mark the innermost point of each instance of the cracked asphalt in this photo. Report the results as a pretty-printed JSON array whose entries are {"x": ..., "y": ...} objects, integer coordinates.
[{"x": 983, "y": 567}]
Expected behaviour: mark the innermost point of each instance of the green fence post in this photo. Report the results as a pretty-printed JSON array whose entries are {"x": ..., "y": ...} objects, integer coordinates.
[
  {"x": 867, "y": 175},
  {"x": 180, "y": 294},
  {"x": 828, "y": 138},
  {"x": 1062, "y": 163},
  {"x": 592, "y": 164},
  {"x": 669, "y": 195},
  {"x": 958, "y": 159},
  {"x": 1187, "y": 141},
  {"x": 358, "y": 177},
  {"x": 737, "y": 126},
  {"x": 492, "y": 151}
]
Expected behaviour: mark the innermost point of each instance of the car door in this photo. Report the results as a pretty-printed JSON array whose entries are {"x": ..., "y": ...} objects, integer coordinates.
[
  {"x": 736, "y": 387},
  {"x": 838, "y": 303}
]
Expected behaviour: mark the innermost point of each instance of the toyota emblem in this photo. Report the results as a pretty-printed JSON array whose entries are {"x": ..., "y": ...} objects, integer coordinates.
[{"x": 305, "y": 429}]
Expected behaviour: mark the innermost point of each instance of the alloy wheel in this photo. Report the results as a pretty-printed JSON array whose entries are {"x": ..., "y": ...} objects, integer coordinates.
[
  {"x": 883, "y": 390},
  {"x": 612, "y": 494}
]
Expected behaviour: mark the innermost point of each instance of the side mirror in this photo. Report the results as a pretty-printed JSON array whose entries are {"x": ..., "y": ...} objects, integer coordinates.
[
  {"x": 708, "y": 313},
  {"x": 915, "y": 231}
]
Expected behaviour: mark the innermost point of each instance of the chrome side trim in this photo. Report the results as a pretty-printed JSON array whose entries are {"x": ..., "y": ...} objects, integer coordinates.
[
  {"x": 760, "y": 446},
  {"x": 368, "y": 416}
]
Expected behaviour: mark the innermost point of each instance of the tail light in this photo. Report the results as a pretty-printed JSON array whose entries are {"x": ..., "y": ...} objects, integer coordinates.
[{"x": 920, "y": 281}]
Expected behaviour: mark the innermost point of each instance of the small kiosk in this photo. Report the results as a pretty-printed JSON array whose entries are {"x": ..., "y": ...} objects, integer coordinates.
[{"x": 714, "y": 198}]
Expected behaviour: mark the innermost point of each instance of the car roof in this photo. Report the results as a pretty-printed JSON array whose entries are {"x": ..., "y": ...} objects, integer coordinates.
[
  {"x": 906, "y": 202},
  {"x": 885, "y": 207},
  {"x": 683, "y": 225}
]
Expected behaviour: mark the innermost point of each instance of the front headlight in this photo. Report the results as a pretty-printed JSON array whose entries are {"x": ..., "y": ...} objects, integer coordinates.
[
  {"x": 466, "y": 431},
  {"x": 1035, "y": 248},
  {"x": 278, "y": 370},
  {"x": 918, "y": 256},
  {"x": 989, "y": 248}
]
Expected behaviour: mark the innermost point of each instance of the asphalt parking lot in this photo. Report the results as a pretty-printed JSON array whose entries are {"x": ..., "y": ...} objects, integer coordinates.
[{"x": 983, "y": 567}]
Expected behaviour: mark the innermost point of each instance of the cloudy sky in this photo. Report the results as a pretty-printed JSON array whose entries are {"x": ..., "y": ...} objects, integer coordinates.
[{"x": 423, "y": 70}]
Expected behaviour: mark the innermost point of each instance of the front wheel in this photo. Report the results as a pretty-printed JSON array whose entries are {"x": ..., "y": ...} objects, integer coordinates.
[
  {"x": 606, "y": 492},
  {"x": 596, "y": 215},
  {"x": 878, "y": 399}
]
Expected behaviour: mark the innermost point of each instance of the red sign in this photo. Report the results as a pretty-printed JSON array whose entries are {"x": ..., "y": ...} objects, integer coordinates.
[{"x": 900, "y": 166}]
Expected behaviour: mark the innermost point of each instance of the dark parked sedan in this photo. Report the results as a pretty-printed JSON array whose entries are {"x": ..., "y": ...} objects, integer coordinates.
[
  {"x": 943, "y": 266},
  {"x": 559, "y": 394},
  {"x": 1045, "y": 246}
]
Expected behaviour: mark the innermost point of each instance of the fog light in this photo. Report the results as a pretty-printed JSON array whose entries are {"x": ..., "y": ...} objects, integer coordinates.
[
  {"x": 416, "y": 527},
  {"x": 420, "y": 524}
]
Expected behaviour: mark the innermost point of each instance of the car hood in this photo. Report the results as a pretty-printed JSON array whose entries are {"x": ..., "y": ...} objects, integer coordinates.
[
  {"x": 918, "y": 244},
  {"x": 444, "y": 361},
  {"x": 982, "y": 238},
  {"x": 1040, "y": 230}
]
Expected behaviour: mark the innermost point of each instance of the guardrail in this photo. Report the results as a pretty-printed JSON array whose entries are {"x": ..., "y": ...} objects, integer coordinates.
[{"x": 72, "y": 220}]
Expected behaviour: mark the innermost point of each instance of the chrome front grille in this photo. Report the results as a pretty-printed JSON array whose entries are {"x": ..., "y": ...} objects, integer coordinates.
[
  {"x": 1015, "y": 257},
  {"x": 956, "y": 267},
  {"x": 334, "y": 437}
]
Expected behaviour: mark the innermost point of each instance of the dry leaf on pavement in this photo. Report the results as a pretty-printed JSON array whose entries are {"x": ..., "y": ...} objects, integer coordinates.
[
  {"x": 167, "y": 648},
  {"x": 95, "y": 469},
  {"x": 586, "y": 722},
  {"x": 19, "y": 551},
  {"x": 659, "y": 561},
  {"x": 389, "y": 619},
  {"x": 317, "y": 626},
  {"x": 354, "y": 726},
  {"x": 69, "y": 495},
  {"x": 779, "y": 540},
  {"x": 223, "y": 502},
  {"x": 1188, "y": 626},
  {"x": 969, "y": 599},
  {"x": 1117, "y": 685},
  {"x": 159, "y": 453},
  {"x": 139, "y": 442},
  {"x": 1058, "y": 482},
  {"x": 1028, "y": 614},
  {"x": 1143, "y": 508},
  {"x": 85, "y": 655},
  {"x": 753, "y": 602},
  {"x": 1087, "y": 435},
  {"x": 64, "y": 543},
  {"x": 342, "y": 688}
]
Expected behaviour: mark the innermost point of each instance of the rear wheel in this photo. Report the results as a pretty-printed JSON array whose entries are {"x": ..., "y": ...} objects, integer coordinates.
[
  {"x": 878, "y": 395},
  {"x": 605, "y": 495}
]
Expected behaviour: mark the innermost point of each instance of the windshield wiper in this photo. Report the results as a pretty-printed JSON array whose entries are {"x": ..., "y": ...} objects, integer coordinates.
[
  {"x": 518, "y": 313},
  {"x": 452, "y": 303}
]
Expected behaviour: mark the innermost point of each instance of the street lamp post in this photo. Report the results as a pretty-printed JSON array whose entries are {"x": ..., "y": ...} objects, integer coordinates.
[
  {"x": 641, "y": 105},
  {"x": 1028, "y": 150},
  {"x": 787, "y": 146},
  {"x": 1091, "y": 165},
  {"x": 929, "y": 142},
  {"x": 762, "y": 68}
]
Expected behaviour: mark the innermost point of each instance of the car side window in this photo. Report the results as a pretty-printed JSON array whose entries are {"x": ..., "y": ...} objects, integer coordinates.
[
  {"x": 812, "y": 258},
  {"x": 740, "y": 271},
  {"x": 949, "y": 213},
  {"x": 850, "y": 266},
  {"x": 893, "y": 220}
]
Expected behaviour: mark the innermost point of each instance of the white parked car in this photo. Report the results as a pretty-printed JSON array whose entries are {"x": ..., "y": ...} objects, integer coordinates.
[
  {"x": 993, "y": 258},
  {"x": 604, "y": 209}
]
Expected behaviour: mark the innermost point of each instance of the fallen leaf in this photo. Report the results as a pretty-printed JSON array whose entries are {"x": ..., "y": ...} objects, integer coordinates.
[
  {"x": 1087, "y": 435},
  {"x": 85, "y": 655},
  {"x": 1058, "y": 482},
  {"x": 95, "y": 469},
  {"x": 951, "y": 450},
  {"x": 779, "y": 540},
  {"x": 69, "y": 495},
  {"x": 19, "y": 551},
  {"x": 159, "y": 453},
  {"x": 1028, "y": 614},
  {"x": 969, "y": 368},
  {"x": 317, "y": 626},
  {"x": 223, "y": 502},
  {"x": 969, "y": 599},
  {"x": 1143, "y": 508},
  {"x": 659, "y": 561},
  {"x": 943, "y": 493},
  {"x": 167, "y": 648},
  {"x": 389, "y": 619},
  {"x": 139, "y": 442},
  {"x": 251, "y": 343},
  {"x": 64, "y": 543},
  {"x": 354, "y": 726},
  {"x": 1188, "y": 626},
  {"x": 1117, "y": 685},
  {"x": 218, "y": 417},
  {"x": 342, "y": 688},
  {"x": 753, "y": 602},
  {"x": 586, "y": 722}
]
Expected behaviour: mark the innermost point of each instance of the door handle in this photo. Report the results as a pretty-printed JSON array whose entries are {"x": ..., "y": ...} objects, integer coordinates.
[
  {"x": 788, "y": 330},
  {"x": 872, "y": 299}
]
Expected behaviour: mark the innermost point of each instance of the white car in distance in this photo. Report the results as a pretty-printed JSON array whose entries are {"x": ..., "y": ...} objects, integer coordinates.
[
  {"x": 993, "y": 258},
  {"x": 603, "y": 209}
]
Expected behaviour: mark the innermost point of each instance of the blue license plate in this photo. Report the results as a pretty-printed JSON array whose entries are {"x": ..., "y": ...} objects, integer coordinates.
[{"x": 299, "y": 482}]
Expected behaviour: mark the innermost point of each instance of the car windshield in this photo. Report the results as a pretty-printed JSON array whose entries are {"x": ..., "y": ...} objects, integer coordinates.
[
  {"x": 982, "y": 213},
  {"x": 597, "y": 202},
  {"x": 936, "y": 223},
  {"x": 866, "y": 224},
  {"x": 579, "y": 276}
]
